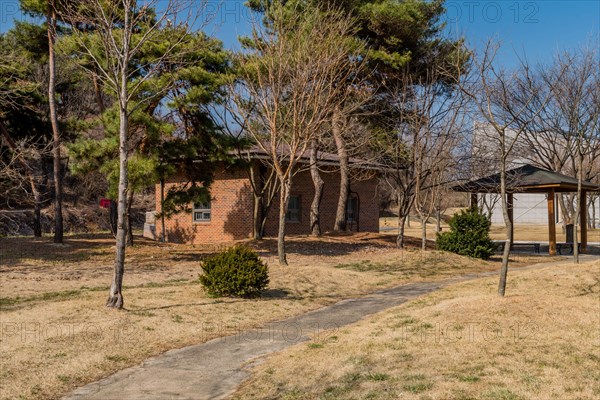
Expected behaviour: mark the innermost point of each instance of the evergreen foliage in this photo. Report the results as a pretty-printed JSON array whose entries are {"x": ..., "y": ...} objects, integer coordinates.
[
  {"x": 469, "y": 235},
  {"x": 237, "y": 271}
]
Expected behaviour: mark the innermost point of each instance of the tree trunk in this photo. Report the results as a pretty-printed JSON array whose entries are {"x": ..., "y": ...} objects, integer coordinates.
[
  {"x": 577, "y": 217},
  {"x": 257, "y": 205},
  {"x": 256, "y": 217},
  {"x": 567, "y": 210},
  {"x": 58, "y": 218},
  {"x": 162, "y": 211},
  {"x": 115, "y": 298},
  {"x": 401, "y": 223},
  {"x": 438, "y": 221},
  {"x": 37, "y": 209},
  {"x": 284, "y": 197},
  {"x": 98, "y": 92},
  {"x": 112, "y": 218},
  {"x": 593, "y": 219},
  {"x": 337, "y": 129},
  {"x": 315, "y": 208},
  {"x": 401, "y": 227},
  {"x": 128, "y": 219},
  {"x": 509, "y": 232},
  {"x": 423, "y": 233}
]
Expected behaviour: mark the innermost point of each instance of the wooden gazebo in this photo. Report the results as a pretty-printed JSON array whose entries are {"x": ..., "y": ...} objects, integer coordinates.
[{"x": 530, "y": 179}]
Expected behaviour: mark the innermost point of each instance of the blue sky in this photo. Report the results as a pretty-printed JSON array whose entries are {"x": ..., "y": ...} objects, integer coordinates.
[{"x": 536, "y": 28}]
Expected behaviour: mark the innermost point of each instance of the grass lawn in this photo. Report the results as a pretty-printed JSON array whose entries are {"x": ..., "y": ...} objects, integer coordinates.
[
  {"x": 542, "y": 341},
  {"x": 533, "y": 233},
  {"x": 56, "y": 333}
]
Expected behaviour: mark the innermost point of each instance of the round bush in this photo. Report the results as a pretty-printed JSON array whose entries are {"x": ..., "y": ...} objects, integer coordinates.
[
  {"x": 237, "y": 271},
  {"x": 469, "y": 235}
]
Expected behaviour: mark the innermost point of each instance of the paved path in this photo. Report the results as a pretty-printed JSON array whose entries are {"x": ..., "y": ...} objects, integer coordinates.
[{"x": 213, "y": 370}]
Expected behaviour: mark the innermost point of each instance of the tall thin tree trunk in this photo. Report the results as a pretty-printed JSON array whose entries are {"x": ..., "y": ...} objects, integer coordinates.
[
  {"x": 37, "y": 209},
  {"x": 98, "y": 92},
  {"x": 593, "y": 219},
  {"x": 58, "y": 218},
  {"x": 315, "y": 208},
  {"x": 256, "y": 217},
  {"x": 438, "y": 220},
  {"x": 284, "y": 197},
  {"x": 257, "y": 204},
  {"x": 567, "y": 211},
  {"x": 401, "y": 224},
  {"x": 115, "y": 298},
  {"x": 162, "y": 210},
  {"x": 577, "y": 216},
  {"x": 342, "y": 150},
  {"x": 423, "y": 233},
  {"x": 509, "y": 232},
  {"x": 401, "y": 228},
  {"x": 128, "y": 219}
]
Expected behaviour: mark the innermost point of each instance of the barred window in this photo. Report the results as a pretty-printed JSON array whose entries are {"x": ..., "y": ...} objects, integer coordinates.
[
  {"x": 202, "y": 212},
  {"x": 293, "y": 212},
  {"x": 352, "y": 209}
]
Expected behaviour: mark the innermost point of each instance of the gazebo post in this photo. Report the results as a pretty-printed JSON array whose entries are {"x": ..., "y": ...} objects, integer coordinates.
[
  {"x": 583, "y": 218},
  {"x": 510, "y": 204},
  {"x": 551, "y": 223}
]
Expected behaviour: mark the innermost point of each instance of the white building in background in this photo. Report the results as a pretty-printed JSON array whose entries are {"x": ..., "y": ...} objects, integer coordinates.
[
  {"x": 528, "y": 208},
  {"x": 532, "y": 209}
]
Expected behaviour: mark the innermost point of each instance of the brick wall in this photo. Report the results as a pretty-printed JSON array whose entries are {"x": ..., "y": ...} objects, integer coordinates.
[
  {"x": 302, "y": 186},
  {"x": 232, "y": 204},
  {"x": 231, "y": 212}
]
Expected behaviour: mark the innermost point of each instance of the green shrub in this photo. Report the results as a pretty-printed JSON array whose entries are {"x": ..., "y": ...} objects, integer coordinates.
[
  {"x": 237, "y": 271},
  {"x": 469, "y": 235}
]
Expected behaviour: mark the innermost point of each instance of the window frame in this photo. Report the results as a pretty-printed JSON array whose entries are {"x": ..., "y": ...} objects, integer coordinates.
[
  {"x": 205, "y": 207},
  {"x": 352, "y": 205},
  {"x": 298, "y": 210}
]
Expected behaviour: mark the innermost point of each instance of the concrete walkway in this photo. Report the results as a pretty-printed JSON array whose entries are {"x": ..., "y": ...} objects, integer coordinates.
[{"x": 213, "y": 370}]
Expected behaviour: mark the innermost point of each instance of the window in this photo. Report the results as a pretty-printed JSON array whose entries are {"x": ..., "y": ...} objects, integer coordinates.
[
  {"x": 293, "y": 212},
  {"x": 202, "y": 212},
  {"x": 352, "y": 209}
]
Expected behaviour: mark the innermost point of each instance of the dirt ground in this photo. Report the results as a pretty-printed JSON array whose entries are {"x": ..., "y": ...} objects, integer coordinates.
[
  {"x": 57, "y": 334},
  {"x": 541, "y": 341}
]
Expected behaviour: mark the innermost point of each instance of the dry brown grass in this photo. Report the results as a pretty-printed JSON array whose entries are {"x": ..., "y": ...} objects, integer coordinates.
[
  {"x": 56, "y": 333},
  {"x": 542, "y": 341},
  {"x": 533, "y": 233}
]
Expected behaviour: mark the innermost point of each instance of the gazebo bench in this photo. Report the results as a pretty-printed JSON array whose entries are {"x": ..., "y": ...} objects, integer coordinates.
[
  {"x": 536, "y": 246},
  {"x": 560, "y": 246}
]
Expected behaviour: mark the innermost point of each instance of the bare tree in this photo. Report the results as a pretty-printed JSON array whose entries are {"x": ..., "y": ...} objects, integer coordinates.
[
  {"x": 508, "y": 102},
  {"x": 318, "y": 183},
  {"x": 563, "y": 137},
  {"x": 420, "y": 152},
  {"x": 338, "y": 128},
  {"x": 574, "y": 82},
  {"x": 263, "y": 179},
  {"x": 290, "y": 83},
  {"x": 58, "y": 186},
  {"x": 121, "y": 29}
]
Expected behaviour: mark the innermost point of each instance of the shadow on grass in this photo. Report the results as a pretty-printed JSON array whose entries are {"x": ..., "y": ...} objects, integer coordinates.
[
  {"x": 76, "y": 248},
  {"x": 267, "y": 295}
]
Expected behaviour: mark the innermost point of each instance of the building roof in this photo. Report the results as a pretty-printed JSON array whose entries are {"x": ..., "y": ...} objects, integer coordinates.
[
  {"x": 525, "y": 179},
  {"x": 324, "y": 158}
]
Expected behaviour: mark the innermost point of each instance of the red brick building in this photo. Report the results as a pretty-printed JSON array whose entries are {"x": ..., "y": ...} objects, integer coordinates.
[{"x": 229, "y": 215}]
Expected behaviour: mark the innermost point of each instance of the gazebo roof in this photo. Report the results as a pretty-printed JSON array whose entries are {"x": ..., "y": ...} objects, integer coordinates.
[{"x": 525, "y": 179}]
